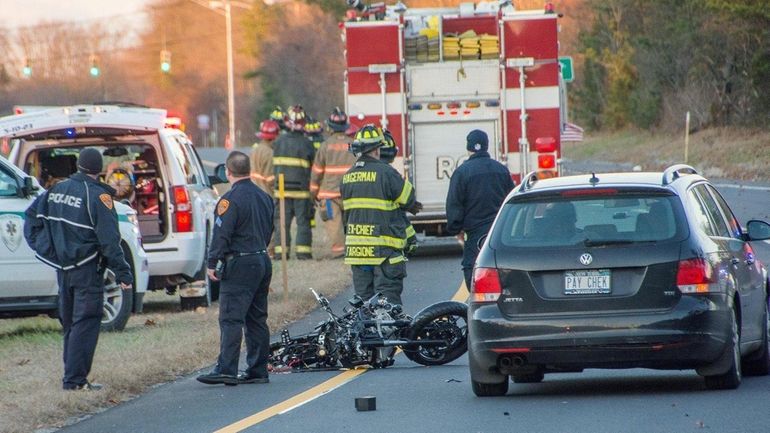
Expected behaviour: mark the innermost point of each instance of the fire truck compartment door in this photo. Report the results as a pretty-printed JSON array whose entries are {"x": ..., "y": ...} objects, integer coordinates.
[
  {"x": 439, "y": 148},
  {"x": 456, "y": 81}
]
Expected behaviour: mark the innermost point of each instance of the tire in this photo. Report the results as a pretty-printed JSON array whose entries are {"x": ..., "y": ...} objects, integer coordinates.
[
  {"x": 118, "y": 303},
  {"x": 758, "y": 364},
  {"x": 445, "y": 320},
  {"x": 732, "y": 378},
  {"x": 535, "y": 377},
  {"x": 490, "y": 389}
]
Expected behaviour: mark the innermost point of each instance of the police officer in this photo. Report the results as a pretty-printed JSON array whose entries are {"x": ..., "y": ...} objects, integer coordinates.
[
  {"x": 242, "y": 229},
  {"x": 73, "y": 227},
  {"x": 293, "y": 155},
  {"x": 476, "y": 192},
  {"x": 373, "y": 196}
]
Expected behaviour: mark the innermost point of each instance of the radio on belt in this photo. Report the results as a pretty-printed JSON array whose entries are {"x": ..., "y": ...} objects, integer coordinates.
[{"x": 366, "y": 403}]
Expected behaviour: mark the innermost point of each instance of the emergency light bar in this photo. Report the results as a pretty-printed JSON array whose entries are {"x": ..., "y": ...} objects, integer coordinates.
[{"x": 81, "y": 117}]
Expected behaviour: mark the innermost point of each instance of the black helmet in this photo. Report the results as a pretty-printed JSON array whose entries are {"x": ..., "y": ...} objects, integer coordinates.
[
  {"x": 389, "y": 150},
  {"x": 338, "y": 120},
  {"x": 368, "y": 138}
]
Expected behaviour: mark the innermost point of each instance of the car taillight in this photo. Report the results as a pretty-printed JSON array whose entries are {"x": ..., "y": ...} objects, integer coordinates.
[
  {"x": 182, "y": 210},
  {"x": 486, "y": 285},
  {"x": 695, "y": 276}
]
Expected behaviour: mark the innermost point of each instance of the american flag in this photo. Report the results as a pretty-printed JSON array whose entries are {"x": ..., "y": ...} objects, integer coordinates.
[{"x": 571, "y": 132}]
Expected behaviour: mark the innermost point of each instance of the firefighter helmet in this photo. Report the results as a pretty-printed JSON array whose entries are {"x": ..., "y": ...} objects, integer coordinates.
[
  {"x": 389, "y": 149},
  {"x": 268, "y": 130},
  {"x": 313, "y": 127},
  {"x": 278, "y": 116},
  {"x": 368, "y": 138},
  {"x": 295, "y": 118},
  {"x": 338, "y": 120}
]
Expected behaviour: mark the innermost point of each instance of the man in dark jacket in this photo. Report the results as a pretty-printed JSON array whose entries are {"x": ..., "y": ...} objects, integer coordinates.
[
  {"x": 476, "y": 192},
  {"x": 73, "y": 227},
  {"x": 242, "y": 230}
]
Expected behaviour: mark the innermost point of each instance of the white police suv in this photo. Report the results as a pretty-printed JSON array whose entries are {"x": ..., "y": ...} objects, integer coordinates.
[
  {"x": 154, "y": 169},
  {"x": 28, "y": 287}
]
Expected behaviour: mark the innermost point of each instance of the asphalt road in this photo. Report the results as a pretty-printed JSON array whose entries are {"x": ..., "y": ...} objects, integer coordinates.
[{"x": 412, "y": 398}]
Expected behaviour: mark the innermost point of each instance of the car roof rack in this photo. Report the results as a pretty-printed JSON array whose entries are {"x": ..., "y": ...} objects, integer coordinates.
[
  {"x": 528, "y": 181},
  {"x": 675, "y": 172}
]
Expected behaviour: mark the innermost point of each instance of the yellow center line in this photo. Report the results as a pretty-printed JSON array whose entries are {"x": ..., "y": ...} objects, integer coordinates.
[{"x": 312, "y": 393}]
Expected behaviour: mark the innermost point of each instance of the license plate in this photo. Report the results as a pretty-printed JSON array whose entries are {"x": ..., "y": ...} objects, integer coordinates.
[{"x": 587, "y": 282}]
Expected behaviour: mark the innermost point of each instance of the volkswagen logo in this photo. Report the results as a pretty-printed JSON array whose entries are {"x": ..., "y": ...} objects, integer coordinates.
[{"x": 586, "y": 259}]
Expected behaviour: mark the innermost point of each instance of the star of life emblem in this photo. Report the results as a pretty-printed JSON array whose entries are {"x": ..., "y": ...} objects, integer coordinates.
[{"x": 11, "y": 230}]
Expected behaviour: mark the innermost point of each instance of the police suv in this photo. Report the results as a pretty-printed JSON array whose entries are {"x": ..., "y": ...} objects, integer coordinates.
[
  {"x": 28, "y": 287},
  {"x": 152, "y": 168}
]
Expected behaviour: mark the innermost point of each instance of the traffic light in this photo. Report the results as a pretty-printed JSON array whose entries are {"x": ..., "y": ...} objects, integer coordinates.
[
  {"x": 94, "y": 71},
  {"x": 165, "y": 61}
]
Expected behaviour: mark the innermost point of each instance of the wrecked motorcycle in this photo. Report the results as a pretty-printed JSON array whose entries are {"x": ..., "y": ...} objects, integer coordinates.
[{"x": 370, "y": 331}]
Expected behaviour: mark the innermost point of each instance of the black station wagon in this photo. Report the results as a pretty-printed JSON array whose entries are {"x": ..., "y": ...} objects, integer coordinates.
[{"x": 619, "y": 270}]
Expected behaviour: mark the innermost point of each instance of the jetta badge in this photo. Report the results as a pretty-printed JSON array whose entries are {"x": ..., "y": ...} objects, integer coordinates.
[{"x": 586, "y": 259}]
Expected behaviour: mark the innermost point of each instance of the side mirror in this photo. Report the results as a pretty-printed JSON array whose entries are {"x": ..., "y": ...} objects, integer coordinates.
[
  {"x": 219, "y": 176},
  {"x": 758, "y": 230},
  {"x": 28, "y": 188}
]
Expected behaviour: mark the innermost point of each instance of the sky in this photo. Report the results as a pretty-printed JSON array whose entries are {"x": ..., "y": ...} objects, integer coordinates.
[{"x": 19, "y": 13}]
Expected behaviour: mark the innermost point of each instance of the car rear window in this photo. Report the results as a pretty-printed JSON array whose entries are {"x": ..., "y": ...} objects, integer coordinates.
[{"x": 587, "y": 220}]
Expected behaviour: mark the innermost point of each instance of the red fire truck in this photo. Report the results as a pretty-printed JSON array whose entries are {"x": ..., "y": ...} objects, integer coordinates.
[{"x": 430, "y": 76}]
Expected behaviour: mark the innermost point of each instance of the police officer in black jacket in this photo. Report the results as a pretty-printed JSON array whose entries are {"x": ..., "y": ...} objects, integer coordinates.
[
  {"x": 73, "y": 227},
  {"x": 476, "y": 192},
  {"x": 238, "y": 256}
]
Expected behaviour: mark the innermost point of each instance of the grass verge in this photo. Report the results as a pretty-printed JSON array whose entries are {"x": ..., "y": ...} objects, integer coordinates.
[
  {"x": 735, "y": 153},
  {"x": 157, "y": 346}
]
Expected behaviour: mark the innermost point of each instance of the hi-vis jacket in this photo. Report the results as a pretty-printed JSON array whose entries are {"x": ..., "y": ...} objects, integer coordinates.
[
  {"x": 262, "y": 166},
  {"x": 331, "y": 162},
  {"x": 374, "y": 196},
  {"x": 75, "y": 223},
  {"x": 293, "y": 155}
]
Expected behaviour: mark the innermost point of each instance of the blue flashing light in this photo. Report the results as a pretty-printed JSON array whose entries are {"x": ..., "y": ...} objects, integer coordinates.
[{"x": 69, "y": 132}]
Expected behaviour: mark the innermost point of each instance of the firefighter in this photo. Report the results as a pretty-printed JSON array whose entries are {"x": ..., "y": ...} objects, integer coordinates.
[
  {"x": 388, "y": 153},
  {"x": 73, "y": 227},
  {"x": 293, "y": 156},
  {"x": 314, "y": 133},
  {"x": 331, "y": 162},
  {"x": 262, "y": 156},
  {"x": 373, "y": 196},
  {"x": 476, "y": 192}
]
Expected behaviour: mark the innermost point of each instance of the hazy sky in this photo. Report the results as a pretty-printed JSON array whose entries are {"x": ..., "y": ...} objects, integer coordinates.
[{"x": 16, "y": 13}]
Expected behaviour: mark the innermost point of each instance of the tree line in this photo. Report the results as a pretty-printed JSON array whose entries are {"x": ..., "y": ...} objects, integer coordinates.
[
  {"x": 641, "y": 63},
  {"x": 647, "y": 62}
]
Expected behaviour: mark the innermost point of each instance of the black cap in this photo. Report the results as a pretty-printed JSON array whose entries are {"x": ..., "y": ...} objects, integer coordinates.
[
  {"x": 90, "y": 161},
  {"x": 477, "y": 141}
]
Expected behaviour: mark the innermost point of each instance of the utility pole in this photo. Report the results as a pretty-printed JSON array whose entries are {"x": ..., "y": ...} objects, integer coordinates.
[{"x": 230, "y": 78}]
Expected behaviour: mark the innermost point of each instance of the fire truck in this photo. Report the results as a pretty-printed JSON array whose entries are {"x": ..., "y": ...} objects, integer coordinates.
[{"x": 430, "y": 76}]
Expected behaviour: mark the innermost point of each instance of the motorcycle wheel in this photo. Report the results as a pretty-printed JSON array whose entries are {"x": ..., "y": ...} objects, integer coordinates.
[{"x": 444, "y": 320}]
